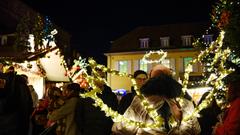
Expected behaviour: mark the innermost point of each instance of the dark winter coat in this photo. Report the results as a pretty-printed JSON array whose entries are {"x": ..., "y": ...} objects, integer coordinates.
[{"x": 91, "y": 120}]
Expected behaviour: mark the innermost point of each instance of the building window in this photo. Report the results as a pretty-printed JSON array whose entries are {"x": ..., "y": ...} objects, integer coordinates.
[
  {"x": 123, "y": 66},
  {"x": 143, "y": 65},
  {"x": 187, "y": 40},
  {"x": 164, "y": 41},
  {"x": 186, "y": 61},
  {"x": 166, "y": 62},
  {"x": 144, "y": 42},
  {"x": 208, "y": 39}
]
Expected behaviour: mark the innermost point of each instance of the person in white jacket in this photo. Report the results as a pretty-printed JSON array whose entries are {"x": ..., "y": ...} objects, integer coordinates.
[{"x": 161, "y": 91}]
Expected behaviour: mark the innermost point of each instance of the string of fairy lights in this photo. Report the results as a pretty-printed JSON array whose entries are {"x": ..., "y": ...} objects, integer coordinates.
[
  {"x": 80, "y": 68},
  {"x": 214, "y": 80},
  {"x": 92, "y": 79},
  {"x": 158, "y": 120}
]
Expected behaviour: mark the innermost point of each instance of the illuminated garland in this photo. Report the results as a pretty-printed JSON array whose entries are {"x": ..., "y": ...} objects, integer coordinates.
[
  {"x": 92, "y": 94},
  {"x": 147, "y": 57},
  {"x": 42, "y": 71},
  {"x": 214, "y": 80},
  {"x": 200, "y": 58},
  {"x": 152, "y": 112}
]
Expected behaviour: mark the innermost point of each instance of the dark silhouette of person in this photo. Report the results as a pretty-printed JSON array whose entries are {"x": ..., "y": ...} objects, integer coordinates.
[
  {"x": 91, "y": 120},
  {"x": 229, "y": 123},
  {"x": 141, "y": 77},
  {"x": 15, "y": 117},
  {"x": 208, "y": 116}
]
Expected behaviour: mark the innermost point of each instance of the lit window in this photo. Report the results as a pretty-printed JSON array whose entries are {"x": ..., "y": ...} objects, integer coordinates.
[
  {"x": 166, "y": 62},
  {"x": 169, "y": 62},
  {"x": 186, "y": 61},
  {"x": 143, "y": 65},
  {"x": 208, "y": 38},
  {"x": 164, "y": 41},
  {"x": 144, "y": 42},
  {"x": 123, "y": 66},
  {"x": 187, "y": 40}
]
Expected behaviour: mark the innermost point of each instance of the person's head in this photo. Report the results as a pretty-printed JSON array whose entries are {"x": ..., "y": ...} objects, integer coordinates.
[
  {"x": 141, "y": 77},
  {"x": 31, "y": 87},
  {"x": 158, "y": 70},
  {"x": 232, "y": 82},
  {"x": 100, "y": 82},
  {"x": 100, "y": 72},
  {"x": 72, "y": 90},
  {"x": 25, "y": 78},
  {"x": 54, "y": 92}
]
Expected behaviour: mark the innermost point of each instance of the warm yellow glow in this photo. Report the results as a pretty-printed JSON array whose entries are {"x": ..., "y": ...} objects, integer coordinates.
[
  {"x": 35, "y": 78},
  {"x": 154, "y": 56}
]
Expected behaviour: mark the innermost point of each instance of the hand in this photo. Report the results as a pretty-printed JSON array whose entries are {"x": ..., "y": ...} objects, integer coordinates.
[{"x": 50, "y": 123}]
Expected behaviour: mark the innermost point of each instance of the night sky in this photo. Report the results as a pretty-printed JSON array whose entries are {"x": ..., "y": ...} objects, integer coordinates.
[{"x": 93, "y": 24}]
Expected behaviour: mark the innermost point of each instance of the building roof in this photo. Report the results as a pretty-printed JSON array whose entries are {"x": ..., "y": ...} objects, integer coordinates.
[{"x": 130, "y": 41}]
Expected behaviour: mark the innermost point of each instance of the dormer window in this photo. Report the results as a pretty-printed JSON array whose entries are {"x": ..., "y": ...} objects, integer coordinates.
[
  {"x": 164, "y": 41},
  {"x": 187, "y": 40},
  {"x": 208, "y": 39},
  {"x": 144, "y": 42}
]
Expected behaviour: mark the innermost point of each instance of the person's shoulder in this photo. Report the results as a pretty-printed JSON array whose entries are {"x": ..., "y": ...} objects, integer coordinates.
[
  {"x": 107, "y": 88},
  {"x": 20, "y": 79},
  {"x": 128, "y": 96}
]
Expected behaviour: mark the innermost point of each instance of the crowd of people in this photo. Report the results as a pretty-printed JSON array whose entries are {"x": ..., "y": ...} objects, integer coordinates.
[{"x": 63, "y": 112}]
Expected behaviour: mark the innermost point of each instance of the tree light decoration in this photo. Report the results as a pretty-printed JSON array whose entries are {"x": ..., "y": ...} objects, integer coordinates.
[{"x": 215, "y": 79}]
